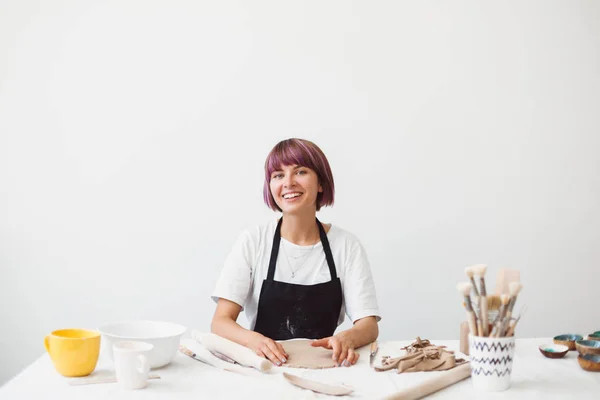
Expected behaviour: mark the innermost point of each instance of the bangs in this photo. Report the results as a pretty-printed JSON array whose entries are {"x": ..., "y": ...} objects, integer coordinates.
[{"x": 294, "y": 153}]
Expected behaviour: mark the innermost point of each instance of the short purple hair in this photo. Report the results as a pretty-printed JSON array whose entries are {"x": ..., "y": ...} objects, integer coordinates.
[{"x": 303, "y": 153}]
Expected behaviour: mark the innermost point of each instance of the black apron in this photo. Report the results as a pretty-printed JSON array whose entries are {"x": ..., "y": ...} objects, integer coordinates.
[{"x": 288, "y": 311}]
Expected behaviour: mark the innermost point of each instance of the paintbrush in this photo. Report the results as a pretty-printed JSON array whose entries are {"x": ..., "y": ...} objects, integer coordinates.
[
  {"x": 497, "y": 324},
  {"x": 511, "y": 329},
  {"x": 479, "y": 271},
  {"x": 494, "y": 302},
  {"x": 465, "y": 288},
  {"x": 513, "y": 288},
  {"x": 469, "y": 272}
]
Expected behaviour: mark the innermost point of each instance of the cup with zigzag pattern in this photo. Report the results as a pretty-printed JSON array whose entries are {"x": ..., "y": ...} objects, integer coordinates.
[{"x": 491, "y": 362}]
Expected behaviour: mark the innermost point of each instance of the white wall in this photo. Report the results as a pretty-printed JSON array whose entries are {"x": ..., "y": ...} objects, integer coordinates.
[{"x": 133, "y": 134}]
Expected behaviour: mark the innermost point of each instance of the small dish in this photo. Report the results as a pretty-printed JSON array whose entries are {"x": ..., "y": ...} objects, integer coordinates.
[
  {"x": 594, "y": 336},
  {"x": 588, "y": 346},
  {"x": 568, "y": 340},
  {"x": 589, "y": 362},
  {"x": 554, "y": 350}
]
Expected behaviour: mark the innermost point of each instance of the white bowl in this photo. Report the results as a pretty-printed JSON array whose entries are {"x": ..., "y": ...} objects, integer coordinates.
[{"x": 165, "y": 337}]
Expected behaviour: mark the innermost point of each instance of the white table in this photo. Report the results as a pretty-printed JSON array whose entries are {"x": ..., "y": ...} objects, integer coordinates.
[{"x": 533, "y": 377}]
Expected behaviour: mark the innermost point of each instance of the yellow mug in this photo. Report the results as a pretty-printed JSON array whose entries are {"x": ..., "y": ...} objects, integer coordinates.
[{"x": 74, "y": 352}]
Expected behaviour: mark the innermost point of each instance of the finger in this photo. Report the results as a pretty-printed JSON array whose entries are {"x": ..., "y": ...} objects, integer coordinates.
[
  {"x": 337, "y": 349},
  {"x": 356, "y": 357},
  {"x": 282, "y": 350},
  {"x": 277, "y": 352},
  {"x": 321, "y": 343},
  {"x": 351, "y": 359},
  {"x": 270, "y": 355},
  {"x": 343, "y": 355}
]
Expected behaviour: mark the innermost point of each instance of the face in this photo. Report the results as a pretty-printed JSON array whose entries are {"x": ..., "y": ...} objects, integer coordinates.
[{"x": 295, "y": 188}]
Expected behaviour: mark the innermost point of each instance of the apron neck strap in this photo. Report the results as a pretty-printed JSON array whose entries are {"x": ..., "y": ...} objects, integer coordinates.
[{"x": 277, "y": 241}]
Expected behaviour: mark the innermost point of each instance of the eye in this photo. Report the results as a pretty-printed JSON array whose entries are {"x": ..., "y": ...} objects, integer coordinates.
[
  {"x": 301, "y": 172},
  {"x": 277, "y": 176}
]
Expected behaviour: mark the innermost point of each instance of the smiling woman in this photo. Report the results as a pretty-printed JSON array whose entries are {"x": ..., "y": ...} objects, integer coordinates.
[{"x": 324, "y": 272}]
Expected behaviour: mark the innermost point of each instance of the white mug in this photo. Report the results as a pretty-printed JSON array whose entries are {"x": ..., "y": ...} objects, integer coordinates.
[{"x": 131, "y": 364}]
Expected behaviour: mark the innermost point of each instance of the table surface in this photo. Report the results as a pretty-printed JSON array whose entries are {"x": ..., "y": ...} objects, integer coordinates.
[{"x": 533, "y": 377}]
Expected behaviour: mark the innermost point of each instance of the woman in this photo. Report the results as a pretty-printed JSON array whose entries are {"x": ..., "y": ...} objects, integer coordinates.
[{"x": 296, "y": 277}]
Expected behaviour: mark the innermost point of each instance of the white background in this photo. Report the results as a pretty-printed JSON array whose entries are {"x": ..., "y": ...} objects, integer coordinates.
[{"x": 133, "y": 136}]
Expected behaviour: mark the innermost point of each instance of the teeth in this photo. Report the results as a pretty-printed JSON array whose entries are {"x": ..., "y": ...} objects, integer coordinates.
[{"x": 291, "y": 195}]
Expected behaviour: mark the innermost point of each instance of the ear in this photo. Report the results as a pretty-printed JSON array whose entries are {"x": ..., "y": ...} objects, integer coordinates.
[{"x": 320, "y": 189}]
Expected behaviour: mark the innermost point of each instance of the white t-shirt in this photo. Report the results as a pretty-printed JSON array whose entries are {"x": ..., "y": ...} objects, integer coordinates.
[{"x": 247, "y": 265}]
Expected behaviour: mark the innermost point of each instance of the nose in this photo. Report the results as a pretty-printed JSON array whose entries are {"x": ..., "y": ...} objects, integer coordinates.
[{"x": 289, "y": 181}]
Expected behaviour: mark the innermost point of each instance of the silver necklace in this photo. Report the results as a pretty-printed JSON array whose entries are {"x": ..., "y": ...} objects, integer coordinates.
[{"x": 296, "y": 258}]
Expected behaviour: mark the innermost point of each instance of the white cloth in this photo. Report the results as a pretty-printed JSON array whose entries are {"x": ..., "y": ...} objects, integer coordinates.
[{"x": 247, "y": 265}]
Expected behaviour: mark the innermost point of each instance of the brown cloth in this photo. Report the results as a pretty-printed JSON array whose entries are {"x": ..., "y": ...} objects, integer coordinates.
[{"x": 421, "y": 356}]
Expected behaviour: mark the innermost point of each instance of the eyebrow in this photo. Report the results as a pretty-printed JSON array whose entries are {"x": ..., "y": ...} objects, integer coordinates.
[{"x": 281, "y": 170}]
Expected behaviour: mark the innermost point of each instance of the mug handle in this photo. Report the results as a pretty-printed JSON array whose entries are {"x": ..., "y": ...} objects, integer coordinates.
[
  {"x": 47, "y": 343},
  {"x": 144, "y": 368}
]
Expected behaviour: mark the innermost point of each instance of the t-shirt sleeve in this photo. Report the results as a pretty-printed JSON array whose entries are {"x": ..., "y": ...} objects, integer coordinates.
[
  {"x": 359, "y": 289},
  {"x": 235, "y": 280}
]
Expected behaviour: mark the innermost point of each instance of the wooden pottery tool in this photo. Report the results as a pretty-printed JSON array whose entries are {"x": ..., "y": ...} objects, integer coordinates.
[
  {"x": 374, "y": 350},
  {"x": 464, "y": 338},
  {"x": 91, "y": 380},
  {"x": 440, "y": 381},
  {"x": 316, "y": 386},
  {"x": 235, "y": 351},
  {"x": 186, "y": 351},
  {"x": 505, "y": 277}
]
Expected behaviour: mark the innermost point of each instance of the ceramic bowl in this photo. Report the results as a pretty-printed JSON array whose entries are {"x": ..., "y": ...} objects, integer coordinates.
[
  {"x": 568, "y": 340},
  {"x": 554, "y": 350},
  {"x": 594, "y": 336},
  {"x": 588, "y": 346},
  {"x": 165, "y": 336},
  {"x": 589, "y": 362}
]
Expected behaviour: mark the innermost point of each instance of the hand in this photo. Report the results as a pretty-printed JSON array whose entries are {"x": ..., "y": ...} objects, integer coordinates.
[
  {"x": 268, "y": 348},
  {"x": 343, "y": 349}
]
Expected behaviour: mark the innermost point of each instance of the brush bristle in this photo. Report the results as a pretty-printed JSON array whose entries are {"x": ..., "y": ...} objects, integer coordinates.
[
  {"x": 493, "y": 302},
  {"x": 469, "y": 272},
  {"x": 514, "y": 288},
  {"x": 504, "y": 298},
  {"x": 464, "y": 287},
  {"x": 479, "y": 269}
]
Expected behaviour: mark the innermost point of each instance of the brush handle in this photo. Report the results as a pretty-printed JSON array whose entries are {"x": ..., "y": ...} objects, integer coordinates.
[
  {"x": 472, "y": 323},
  {"x": 495, "y": 321},
  {"x": 474, "y": 287},
  {"x": 479, "y": 328},
  {"x": 507, "y": 315},
  {"x": 499, "y": 319},
  {"x": 482, "y": 291},
  {"x": 511, "y": 330},
  {"x": 505, "y": 322},
  {"x": 483, "y": 314},
  {"x": 499, "y": 327}
]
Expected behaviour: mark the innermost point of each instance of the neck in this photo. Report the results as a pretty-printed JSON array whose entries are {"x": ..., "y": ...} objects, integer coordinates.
[{"x": 300, "y": 229}]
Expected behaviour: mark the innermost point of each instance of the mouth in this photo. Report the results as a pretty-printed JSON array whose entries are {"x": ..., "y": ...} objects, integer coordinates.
[{"x": 291, "y": 195}]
